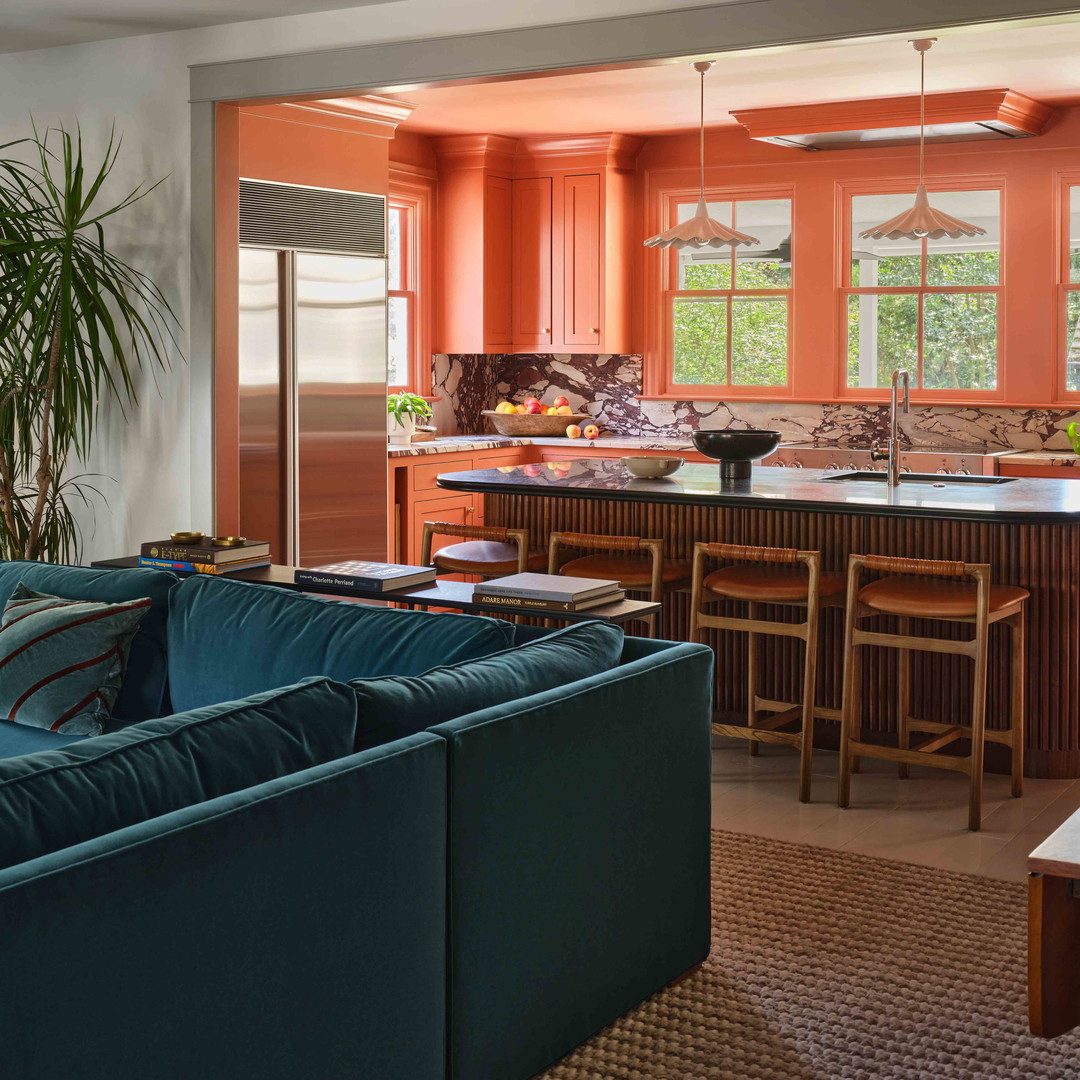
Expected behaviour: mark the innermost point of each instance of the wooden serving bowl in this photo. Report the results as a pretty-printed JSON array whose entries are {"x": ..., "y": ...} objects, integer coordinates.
[{"x": 525, "y": 424}]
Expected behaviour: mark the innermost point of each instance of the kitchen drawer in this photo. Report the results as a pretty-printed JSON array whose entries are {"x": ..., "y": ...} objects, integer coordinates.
[
  {"x": 424, "y": 476},
  {"x": 498, "y": 461}
]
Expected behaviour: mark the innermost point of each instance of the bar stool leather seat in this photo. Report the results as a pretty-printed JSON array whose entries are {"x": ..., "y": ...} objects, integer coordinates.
[
  {"x": 770, "y": 584},
  {"x": 631, "y": 571},
  {"x": 487, "y": 557},
  {"x": 935, "y": 599}
]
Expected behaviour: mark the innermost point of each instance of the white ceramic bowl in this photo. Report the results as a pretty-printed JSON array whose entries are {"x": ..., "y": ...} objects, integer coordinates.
[{"x": 653, "y": 466}]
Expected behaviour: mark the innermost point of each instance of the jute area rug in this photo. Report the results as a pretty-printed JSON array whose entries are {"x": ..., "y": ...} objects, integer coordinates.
[{"x": 834, "y": 966}]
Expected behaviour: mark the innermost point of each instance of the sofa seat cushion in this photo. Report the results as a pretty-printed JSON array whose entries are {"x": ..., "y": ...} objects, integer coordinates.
[
  {"x": 62, "y": 661},
  {"x": 228, "y": 639},
  {"x": 16, "y": 739},
  {"x": 56, "y": 798},
  {"x": 143, "y": 693},
  {"x": 393, "y": 707}
]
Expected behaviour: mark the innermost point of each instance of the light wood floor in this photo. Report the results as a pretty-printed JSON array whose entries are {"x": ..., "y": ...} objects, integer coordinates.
[{"x": 920, "y": 820}]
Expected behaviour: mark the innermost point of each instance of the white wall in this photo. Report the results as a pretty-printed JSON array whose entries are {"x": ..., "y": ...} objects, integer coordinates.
[{"x": 141, "y": 83}]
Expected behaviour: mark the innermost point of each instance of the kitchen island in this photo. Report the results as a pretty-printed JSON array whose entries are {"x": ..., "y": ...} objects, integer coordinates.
[{"x": 1027, "y": 529}]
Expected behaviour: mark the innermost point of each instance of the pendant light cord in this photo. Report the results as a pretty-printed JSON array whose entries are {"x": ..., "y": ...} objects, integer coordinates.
[
  {"x": 922, "y": 118},
  {"x": 701, "y": 138}
]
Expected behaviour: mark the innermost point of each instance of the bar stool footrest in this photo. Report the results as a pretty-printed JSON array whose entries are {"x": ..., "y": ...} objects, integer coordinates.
[
  {"x": 740, "y": 731},
  {"x": 909, "y": 757},
  {"x": 997, "y": 735},
  {"x": 821, "y": 712}
]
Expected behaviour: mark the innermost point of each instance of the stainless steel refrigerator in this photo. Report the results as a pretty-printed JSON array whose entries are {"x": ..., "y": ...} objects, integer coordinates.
[{"x": 312, "y": 415}]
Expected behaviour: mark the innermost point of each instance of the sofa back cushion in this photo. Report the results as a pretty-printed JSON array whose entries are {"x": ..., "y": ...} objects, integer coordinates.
[
  {"x": 56, "y": 798},
  {"x": 143, "y": 692},
  {"x": 228, "y": 639},
  {"x": 393, "y": 707}
]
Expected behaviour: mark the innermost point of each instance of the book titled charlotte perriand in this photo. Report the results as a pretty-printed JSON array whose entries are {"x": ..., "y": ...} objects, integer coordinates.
[{"x": 365, "y": 576}]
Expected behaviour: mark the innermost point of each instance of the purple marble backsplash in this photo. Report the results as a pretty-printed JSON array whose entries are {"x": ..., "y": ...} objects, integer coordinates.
[{"x": 607, "y": 386}]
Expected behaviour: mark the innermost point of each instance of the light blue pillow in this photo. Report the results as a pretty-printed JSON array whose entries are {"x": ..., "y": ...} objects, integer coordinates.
[
  {"x": 62, "y": 661},
  {"x": 395, "y": 706}
]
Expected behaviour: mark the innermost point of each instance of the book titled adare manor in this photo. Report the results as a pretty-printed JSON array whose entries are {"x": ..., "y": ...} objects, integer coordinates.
[{"x": 365, "y": 576}]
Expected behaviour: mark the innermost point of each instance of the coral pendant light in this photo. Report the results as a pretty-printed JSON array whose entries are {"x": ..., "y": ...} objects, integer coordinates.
[
  {"x": 922, "y": 220},
  {"x": 701, "y": 231}
]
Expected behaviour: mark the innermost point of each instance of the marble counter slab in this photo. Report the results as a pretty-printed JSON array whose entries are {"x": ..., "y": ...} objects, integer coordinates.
[
  {"x": 1020, "y": 500},
  {"x": 1045, "y": 458},
  {"x": 452, "y": 444}
]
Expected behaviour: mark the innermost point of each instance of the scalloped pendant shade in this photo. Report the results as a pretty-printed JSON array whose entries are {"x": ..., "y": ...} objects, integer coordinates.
[
  {"x": 701, "y": 231},
  {"x": 922, "y": 220}
]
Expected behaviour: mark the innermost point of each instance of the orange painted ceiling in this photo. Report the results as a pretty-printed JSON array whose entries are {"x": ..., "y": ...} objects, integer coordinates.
[{"x": 1036, "y": 58}]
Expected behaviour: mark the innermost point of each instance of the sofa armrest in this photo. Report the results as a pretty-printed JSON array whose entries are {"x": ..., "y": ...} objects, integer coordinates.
[
  {"x": 293, "y": 929},
  {"x": 579, "y": 848}
]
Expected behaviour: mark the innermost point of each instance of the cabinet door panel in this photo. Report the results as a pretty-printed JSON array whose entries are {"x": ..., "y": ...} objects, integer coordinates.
[
  {"x": 497, "y": 269},
  {"x": 456, "y": 509},
  {"x": 581, "y": 270},
  {"x": 531, "y": 258},
  {"x": 424, "y": 477}
]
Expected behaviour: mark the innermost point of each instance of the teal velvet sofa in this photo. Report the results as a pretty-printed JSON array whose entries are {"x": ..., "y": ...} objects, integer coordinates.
[{"x": 468, "y": 902}]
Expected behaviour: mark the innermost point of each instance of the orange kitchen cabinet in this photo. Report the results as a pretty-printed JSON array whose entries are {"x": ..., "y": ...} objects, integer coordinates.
[
  {"x": 1046, "y": 472},
  {"x": 456, "y": 509},
  {"x": 581, "y": 233},
  {"x": 530, "y": 279},
  {"x": 498, "y": 209}
]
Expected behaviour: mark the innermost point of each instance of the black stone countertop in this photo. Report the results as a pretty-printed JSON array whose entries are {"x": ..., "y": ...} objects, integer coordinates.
[{"x": 1019, "y": 501}]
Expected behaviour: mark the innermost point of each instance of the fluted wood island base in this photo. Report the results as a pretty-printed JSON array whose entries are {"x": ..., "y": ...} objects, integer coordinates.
[{"x": 1028, "y": 530}]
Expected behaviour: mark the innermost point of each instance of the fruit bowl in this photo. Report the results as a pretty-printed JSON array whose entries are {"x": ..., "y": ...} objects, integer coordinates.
[
  {"x": 736, "y": 448},
  {"x": 652, "y": 467},
  {"x": 525, "y": 424}
]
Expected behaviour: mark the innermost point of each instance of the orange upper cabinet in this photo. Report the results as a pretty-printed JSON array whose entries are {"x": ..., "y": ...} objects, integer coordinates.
[
  {"x": 535, "y": 244},
  {"x": 531, "y": 291},
  {"x": 581, "y": 259}
]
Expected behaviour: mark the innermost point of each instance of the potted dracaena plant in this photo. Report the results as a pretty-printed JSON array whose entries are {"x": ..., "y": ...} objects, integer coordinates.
[
  {"x": 76, "y": 324},
  {"x": 403, "y": 411}
]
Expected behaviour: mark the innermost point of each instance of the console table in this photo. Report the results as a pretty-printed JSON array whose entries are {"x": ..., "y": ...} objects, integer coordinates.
[{"x": 436, "y": 594}]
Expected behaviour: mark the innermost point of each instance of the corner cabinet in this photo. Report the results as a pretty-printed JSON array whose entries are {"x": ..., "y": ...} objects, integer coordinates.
[{"x": 535, "y": 236}]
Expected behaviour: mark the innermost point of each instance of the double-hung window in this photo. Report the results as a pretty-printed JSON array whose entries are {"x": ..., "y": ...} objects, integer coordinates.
[
  {"x": 402, "y": 251},
  {"x": 931, "y": 306},
  {"x": 729, "y": 313},
  {"x": 1070, "y": 287}
]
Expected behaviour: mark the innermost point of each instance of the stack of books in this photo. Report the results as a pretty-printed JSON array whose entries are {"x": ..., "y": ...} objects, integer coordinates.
[
  {"x": 365, "y": 577},
  {"x": 204, "y": 557},
  {"x": 549, "y": 591}
]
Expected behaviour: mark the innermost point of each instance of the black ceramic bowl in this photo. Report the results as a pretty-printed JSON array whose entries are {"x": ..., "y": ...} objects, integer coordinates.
[{"x": 736, "y": 448}]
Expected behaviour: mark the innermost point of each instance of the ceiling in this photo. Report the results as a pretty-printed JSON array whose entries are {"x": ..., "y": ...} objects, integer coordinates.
[
  {"x": 41, "y": 24},
  {"x": 1035, "y": 58}
]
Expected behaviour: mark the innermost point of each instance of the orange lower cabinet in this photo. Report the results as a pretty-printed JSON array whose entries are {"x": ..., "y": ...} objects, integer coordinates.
[{"x": 1046, "y": 472}]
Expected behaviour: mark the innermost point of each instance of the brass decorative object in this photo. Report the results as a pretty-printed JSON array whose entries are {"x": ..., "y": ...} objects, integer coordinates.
[
  {"x": 228, "y": 541},
  {"x": 187, "y": 537}
]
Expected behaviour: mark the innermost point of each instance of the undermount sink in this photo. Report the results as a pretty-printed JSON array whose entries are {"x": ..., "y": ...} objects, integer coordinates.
[{"x": 935, "y": 479}]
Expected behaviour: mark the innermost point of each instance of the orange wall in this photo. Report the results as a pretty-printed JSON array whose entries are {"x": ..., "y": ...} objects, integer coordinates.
[
  {"x": 408, "y": 148},
  {"x": 319, "y": 155},
  {"x": 1030, "y": 171}
]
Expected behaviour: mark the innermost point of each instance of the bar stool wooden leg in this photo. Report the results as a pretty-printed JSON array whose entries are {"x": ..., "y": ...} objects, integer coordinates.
[
  {"x": 850, "y": 703},
  {"x": 809, "y": 696},
  {"x": 978, "y": 732},
  {"x": 903, "y": 704},
  {"x": 1016, "y": 704},
  {"x": 754, "y": 612}
]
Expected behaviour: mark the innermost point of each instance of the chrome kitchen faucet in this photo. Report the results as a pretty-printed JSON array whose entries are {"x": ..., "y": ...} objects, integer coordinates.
[{"x": 891, "y": 451}]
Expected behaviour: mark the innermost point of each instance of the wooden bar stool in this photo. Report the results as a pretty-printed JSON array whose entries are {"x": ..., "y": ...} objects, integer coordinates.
[
  {"x": 916, "y": 590},
  {"x": 640, "y": 566},
  {"x": 489, "y": 551},
  {"x": 778, "y": 576}
]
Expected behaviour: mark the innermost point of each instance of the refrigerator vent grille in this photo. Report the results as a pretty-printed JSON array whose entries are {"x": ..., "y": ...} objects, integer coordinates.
[{"x": 312, "y": 219}]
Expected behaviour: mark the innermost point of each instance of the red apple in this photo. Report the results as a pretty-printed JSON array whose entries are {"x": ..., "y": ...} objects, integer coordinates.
[
  {"x": 559, "y": 402},
  {"x": 532, "y": 469},
  {"x": 531, "y": 400},
  {"x": 591, "y": 432},
  {"x": 533, "y": 407}
]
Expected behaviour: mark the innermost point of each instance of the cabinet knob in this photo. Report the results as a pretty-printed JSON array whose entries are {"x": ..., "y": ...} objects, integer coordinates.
[
  {"x": 469, "y": 509},
  {"x": 594, "y": 329},
  {"x": 545, "y": 330}
]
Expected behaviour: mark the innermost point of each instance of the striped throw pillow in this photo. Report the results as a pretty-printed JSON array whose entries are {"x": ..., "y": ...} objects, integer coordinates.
[{"x": 62, "y": 661}]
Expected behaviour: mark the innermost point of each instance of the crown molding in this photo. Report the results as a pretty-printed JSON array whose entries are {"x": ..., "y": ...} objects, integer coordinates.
[
  {"x": 367, "y": 115},
  {"x": 1022, "y": 114},
  {"x": 493, "y": 152}
]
